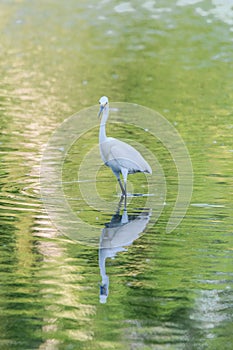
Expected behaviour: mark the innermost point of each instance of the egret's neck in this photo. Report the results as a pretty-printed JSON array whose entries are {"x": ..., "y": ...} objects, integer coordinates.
[{"x": 102, "y": 132}]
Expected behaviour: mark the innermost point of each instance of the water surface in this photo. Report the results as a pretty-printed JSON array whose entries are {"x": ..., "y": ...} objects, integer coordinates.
[{"x": 166, "y": 291}]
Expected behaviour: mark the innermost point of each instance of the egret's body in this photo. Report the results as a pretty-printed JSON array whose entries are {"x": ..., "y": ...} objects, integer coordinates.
[{"x": 119, "y": 156}]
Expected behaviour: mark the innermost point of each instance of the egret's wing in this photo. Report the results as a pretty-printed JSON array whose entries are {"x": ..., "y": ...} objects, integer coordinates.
[{"x": 128, "y": 157}]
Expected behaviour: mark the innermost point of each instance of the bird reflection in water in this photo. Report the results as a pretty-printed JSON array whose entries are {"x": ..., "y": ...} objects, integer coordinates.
[{"x": 117, "y": 234}]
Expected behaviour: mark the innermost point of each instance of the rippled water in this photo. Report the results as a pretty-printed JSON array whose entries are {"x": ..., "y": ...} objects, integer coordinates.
[{"x": 165, "y": 291}]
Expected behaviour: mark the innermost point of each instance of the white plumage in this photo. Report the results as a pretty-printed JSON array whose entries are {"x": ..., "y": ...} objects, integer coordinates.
[{"x": 118, "y": 155}]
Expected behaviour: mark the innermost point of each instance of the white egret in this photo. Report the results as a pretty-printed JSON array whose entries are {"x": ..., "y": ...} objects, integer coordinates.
[{"x": 119, "y": 156}]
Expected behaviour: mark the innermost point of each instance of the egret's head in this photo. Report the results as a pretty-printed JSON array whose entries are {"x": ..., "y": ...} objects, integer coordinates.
[{"x": 103, "y": 101}]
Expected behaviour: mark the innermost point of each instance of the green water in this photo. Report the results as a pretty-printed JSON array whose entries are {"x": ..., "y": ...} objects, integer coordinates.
[{"x": 166, "y": 291}]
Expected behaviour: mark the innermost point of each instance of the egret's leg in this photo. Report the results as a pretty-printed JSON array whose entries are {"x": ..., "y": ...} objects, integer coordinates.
[
  {"x": 125, "y": 202},
  {"x": 119, "y": 205},
  {"x": 121, "y": 186},
  {"x": 117, "y": 174},
  {"x": 125, "y": 174}
]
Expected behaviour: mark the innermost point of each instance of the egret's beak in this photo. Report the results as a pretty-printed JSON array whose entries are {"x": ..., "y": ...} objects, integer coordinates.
[
  {"x": 103, "y": 289},
  {"x": 100, "y": 111}
]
